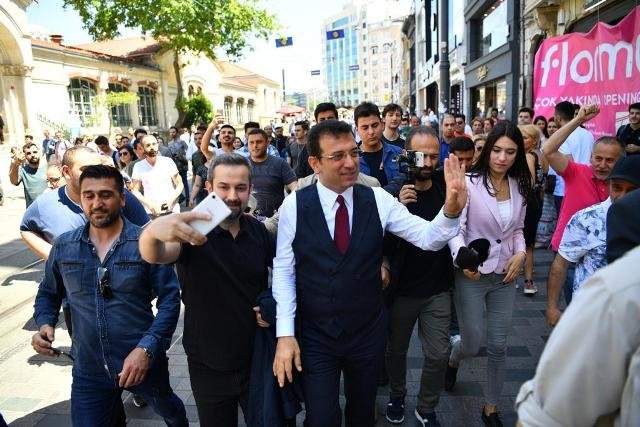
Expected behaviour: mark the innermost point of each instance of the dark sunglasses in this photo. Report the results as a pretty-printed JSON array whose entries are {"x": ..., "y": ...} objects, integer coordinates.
[
  {"x": 459, "y": 123},
  {"x": 53, "y": 180},
  {"x": 103, "y": 283},
  {"x": 124, "y": 153}
]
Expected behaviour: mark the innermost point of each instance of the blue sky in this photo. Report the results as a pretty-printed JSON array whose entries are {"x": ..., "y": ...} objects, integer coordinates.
[{"x": 300, "y": 19}]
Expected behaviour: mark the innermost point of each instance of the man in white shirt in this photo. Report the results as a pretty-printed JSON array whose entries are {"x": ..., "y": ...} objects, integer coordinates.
[
  {"x": 327, "y": 280},
  {"x": 160, "y": 179},
  {"x": 589, "y": 371}
]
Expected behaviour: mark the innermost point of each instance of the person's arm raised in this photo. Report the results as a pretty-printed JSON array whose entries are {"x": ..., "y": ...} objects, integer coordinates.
[
  {"x": 161, "y": 239},
  {"x": 556, "y": 159}
]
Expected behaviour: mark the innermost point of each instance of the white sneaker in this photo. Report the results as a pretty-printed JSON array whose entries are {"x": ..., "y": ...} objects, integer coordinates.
[
  {"x": 530, "y": 287},
  {"x": 454, "y": 339}
]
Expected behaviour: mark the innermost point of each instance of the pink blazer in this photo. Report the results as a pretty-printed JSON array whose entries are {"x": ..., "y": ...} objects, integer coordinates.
[{"x": 481, "y": 219}]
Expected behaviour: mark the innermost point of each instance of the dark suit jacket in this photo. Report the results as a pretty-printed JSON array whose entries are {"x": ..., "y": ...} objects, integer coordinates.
[{"x": 623, "y": 226}]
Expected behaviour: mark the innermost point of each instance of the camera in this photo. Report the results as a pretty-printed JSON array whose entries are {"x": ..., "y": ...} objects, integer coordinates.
[{"x": 410, "y": 163}]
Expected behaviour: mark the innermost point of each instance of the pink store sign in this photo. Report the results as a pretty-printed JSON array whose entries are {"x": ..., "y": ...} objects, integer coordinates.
[{"x": 599, "y": 67}]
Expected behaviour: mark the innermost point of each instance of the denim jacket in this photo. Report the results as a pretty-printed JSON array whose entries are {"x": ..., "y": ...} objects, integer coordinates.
[
  {"x": 390, "y": 153},
  {"x": 106, "y": 331}
]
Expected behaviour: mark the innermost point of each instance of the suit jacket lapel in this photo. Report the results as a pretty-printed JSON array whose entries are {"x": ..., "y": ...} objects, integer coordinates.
[{"x": 490, "y": 201}]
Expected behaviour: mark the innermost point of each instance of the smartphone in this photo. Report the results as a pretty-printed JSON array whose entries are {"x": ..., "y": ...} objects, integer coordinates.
[{"x": 216, "y": 208}]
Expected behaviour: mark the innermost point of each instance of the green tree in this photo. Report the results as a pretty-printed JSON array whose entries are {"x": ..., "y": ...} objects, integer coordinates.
[
  {"x": 198, "y": 26},
  {"x": 198, "y": 109}
]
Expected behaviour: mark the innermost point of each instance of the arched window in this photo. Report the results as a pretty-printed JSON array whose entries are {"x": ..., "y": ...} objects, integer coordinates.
[
  {"x": 120, "y": 114},
  {"x": 240, "y": 110},
  {"x": 227, "y": 109},
  {"x": 147, "y": 106},
  {"x": 81, "y": 95}
]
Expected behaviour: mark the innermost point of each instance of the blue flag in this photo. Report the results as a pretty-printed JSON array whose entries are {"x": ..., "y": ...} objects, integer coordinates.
[
  {"x": 284, "y": 41},
  {"x": 335, "y": 34}
]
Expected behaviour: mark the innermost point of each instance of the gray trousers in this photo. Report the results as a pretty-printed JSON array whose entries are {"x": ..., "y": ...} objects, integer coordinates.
[
  {"x": 473, "y": 299},
  {"x": 433, "y": 315}
]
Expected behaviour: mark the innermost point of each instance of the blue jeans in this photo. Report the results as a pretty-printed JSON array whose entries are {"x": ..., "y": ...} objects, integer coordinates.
[
  {"x": 473, "y": 299},
  {"x": 96, "y": 402}
]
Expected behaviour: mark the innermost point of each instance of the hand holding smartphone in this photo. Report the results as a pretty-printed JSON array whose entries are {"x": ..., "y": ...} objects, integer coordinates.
[{"x": 216, "y": 208}]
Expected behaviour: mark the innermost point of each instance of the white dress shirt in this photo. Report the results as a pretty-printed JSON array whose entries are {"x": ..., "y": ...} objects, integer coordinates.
[
  {"x": 394, "y": 217},
  {"x": 589, "y": 372}
]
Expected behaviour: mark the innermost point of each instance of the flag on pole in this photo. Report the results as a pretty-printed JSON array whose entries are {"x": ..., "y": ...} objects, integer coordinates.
[
  {"x": 284, "y": 41},
  {"x": 335, "y": 34}
]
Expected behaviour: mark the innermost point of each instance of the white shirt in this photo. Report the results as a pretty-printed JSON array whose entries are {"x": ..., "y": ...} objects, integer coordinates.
[
  {"x": 590, "y": 367},
  {"x": 504, "y": 209},
  {"x": 394, "y": 217},
  {"x": 579, "y": 145},
  {"x": 157, "y": 180}
]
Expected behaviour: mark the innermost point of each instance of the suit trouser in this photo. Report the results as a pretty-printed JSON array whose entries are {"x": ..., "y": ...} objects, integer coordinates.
[
  {"x": 358, "y": 356},
  {"x": 433, "y": 316},
  {"x": 473, "y": 298}
]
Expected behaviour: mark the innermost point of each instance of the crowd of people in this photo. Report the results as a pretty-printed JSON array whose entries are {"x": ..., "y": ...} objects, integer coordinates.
[{"x": 341, "y": 238}]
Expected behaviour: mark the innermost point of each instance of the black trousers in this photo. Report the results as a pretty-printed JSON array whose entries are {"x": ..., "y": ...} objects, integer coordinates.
[
  {"x": 218, "y": 394},
  {"x": 359, "y": 356}
]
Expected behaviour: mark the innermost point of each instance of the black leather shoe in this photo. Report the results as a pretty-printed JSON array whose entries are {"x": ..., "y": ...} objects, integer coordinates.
[
  {"x": 450, "y": 377},
  {"x": 491, "y": 420}
]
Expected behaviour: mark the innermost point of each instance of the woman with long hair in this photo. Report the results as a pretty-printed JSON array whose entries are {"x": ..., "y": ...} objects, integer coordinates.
[
  {"x": 126, "y": 156},
  {"x": 499, "y": 184},
  {"x": 477, "y": 126},
  {"x": 531, "y": 135},
  {"x": 489, "y": 123},
  {"x": 541, "y": 122}
]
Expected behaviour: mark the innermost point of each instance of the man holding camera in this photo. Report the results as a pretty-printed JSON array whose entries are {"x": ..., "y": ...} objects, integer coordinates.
[{"x": 420, "y": 283}]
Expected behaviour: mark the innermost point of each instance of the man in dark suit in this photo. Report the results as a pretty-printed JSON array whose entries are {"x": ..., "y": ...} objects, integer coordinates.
[
  {"x": 327, "y": 281},
  {"x": 623, "y": 227}
]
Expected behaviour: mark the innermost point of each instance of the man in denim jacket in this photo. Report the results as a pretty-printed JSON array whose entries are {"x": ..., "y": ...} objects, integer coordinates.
[{"x": 117, "y": 342}]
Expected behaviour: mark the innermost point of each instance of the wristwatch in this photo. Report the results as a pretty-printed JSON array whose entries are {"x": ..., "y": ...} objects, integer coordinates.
[{"x": 147, "y": 352}]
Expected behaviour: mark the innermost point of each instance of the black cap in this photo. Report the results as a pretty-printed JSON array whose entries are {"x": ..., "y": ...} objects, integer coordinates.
[{"x": 628, "y": 169}]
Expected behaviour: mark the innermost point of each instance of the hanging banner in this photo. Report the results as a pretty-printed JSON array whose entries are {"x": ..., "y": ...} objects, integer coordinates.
[{"x": 599, "y": 67}]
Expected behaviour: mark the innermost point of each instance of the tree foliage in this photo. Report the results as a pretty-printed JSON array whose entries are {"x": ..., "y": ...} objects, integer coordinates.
[
  {"x": 197, "y": 26},
  {"x": 201, "y": 26},
  {"x": 198, "y": 109}
]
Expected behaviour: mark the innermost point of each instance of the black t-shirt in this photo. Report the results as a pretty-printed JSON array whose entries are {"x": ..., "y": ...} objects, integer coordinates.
[
  {"x": 423, "y": 274},
  {"x": 628, "y": 136},
  {"x": 376, "y": 169},
  {"x": 397, "y": 142},
  {"x": 220, "y": 282}
]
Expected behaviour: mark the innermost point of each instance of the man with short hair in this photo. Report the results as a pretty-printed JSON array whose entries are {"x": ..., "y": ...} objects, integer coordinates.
[
  {"x": 448, "y": 129},
  {"x": 464, "y": 149},
  {"x": 48, "y": 145},
  {"x": 323, "y": 111},
  {"x": 61, "y": 145},
  {"x": 391, "y": 118},
  {"x": 629, "y": 134},
  {"x": 25, "y": 169},
  {"x": 414, "y": 121},
  {"x": 326, "y": 277},
  {"x": 461, "y": 128},
  {"x": 584, "y": 242},
  {"x": 160, "y": 179},
  {"x": 584, "y": 185},
  {"x": 106, "y": 150},
  {"x": 525, "y": 116},
  {"x": 55, "y": 179},
  {"x": 270, "y": 175},
  {"x": 420, "y": 284},
  {"x": 178, "y": 149},
  {"x": 280, "y": 141},
  {"x": 378, "y": 158},
  {"x": 301, "y": 128},
  {"x": 118, "y": 343},
  {"x": 234, "y": 258},
  {"x": 226, "y": 136},
  {"x": 244, "y": 150}
]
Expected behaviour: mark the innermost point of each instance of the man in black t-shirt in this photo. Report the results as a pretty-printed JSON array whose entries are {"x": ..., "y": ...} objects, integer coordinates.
[
  {"x": 420, "y": 283},
  {"x": 270, "y": 174},
  {"x": 220, "y": 312},
  {"x": 629, "y": 134}
]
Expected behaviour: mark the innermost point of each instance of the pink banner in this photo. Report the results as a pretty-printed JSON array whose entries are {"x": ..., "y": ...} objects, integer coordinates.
[{"x": 600, "y": 67}]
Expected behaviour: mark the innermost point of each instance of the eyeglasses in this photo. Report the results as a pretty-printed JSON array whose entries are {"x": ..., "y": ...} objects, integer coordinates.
[
  {"x": 53, "y": 180},
  {"x": 124, "y": 153},
  {"x": 103, "y": 283},
  {"x": 338, "y": 157},
  {"x": 459, "y": 122}
]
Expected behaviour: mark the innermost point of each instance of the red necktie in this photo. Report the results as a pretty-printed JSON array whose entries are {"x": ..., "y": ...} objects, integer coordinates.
[{"x": 341, "y": 232}]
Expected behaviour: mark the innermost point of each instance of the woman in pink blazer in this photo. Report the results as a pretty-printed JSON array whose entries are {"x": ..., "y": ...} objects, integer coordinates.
[{"x": 498, "y": 186}]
